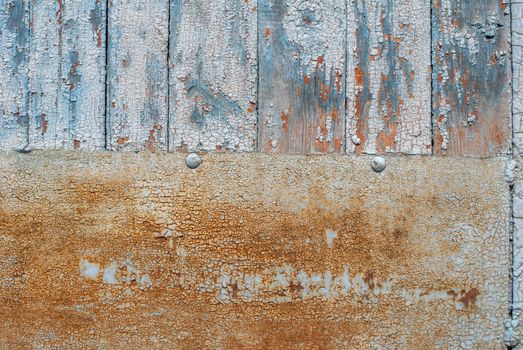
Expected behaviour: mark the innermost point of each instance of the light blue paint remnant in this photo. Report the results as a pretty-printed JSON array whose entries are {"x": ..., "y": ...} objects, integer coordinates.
[
  {"x": 109, "y": 275},
  {"x": 89, "y": 270}
]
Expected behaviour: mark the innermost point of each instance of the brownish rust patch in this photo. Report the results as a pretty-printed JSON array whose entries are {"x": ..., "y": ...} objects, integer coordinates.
[
  {"x": 237, "y": 217},
  {"x": 284, "y": 116},
  {"x": 122, "y": 140}
]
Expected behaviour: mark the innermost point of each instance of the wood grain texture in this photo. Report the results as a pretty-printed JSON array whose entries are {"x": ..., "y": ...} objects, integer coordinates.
[
  {"x": 120, "y": 251},
  {"x": 213, "y": 61},
  {"x": 47, "y": 129},
  {"x": 14, "y": 79},
  {"x": 67, "y": 74},
  {"x": 82, "y": 94},
  {"x": 302, "y": 76},
  {"x": 137, "y": 75},
  {"x": 471, "y": 77},
  {"x": 388, "y": 84}
]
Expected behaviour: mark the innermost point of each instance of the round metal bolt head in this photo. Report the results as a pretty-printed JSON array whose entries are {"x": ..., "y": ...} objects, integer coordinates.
[
  {"x": 378, "y": 164},
  {"x": 193, "y": 161}
]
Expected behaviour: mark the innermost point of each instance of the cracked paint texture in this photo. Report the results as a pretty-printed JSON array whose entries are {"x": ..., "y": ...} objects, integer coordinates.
[
  {"x": 388, "y": 84},
  {"x": 112, "y": 250},
  {"x": 471, "y": 77},
  {"x": 137, "y": 104},
  {"x": 302, "y": 76},
  {"x": 213, "y": 60}
]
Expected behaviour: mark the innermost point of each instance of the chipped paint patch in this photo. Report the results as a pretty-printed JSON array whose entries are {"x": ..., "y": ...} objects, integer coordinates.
[
  {"x": 330, "y": 235},
  {"x": 89, "y": 270}
]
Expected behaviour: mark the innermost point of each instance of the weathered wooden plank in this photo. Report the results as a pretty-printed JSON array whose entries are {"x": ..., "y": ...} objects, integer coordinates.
[
  {"x": 302, "y": 76},
  {"x": 213, "y": 58},
  {"x": 47, "y": 129},
  {"x": 252, "y": 251},
  {"x": 82, "y": 94},
  {"x": 388, "y": 78},
  {"x": 137, "y": 74},
  {"x": 14, "y": 58},
  {"x": 471, "y": 77},
  {"x": 67, "y": 74}
]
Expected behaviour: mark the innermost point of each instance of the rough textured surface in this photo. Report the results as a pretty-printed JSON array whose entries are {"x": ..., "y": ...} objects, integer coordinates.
[
  {"x": 302, "y": 76},
  {"x": 116, "y": 250},
  {"x": 213, "y": 62},
  {"x": 517, "y": 104},
  {"x": 137, "y": 75},
  {"x": 472, "y": 77},
  {"x": 14, "y": 79},
  {"x": 67, "y": 74},
  {"x": 388, "y": 85}
]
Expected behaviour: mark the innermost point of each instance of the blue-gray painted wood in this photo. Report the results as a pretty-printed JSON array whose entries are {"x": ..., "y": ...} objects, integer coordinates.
[
  {"x": 302, "y": 48},
  {"x": 67, "y": 74},
  {"x": 388, "y": 85},
  {"x": 137, "y": 95},
  {"x": 213, "y": 76},
  {"x": 471, "y": 77},
  {"x": 14, "y": 80}
]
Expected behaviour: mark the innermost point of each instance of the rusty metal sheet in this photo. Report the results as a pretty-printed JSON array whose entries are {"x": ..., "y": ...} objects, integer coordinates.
[{"x": 117, "y": 250}]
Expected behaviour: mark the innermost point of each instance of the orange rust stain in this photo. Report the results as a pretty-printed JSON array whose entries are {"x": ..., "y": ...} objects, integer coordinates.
[
  {"x": 284, "y": 116},
  {"x": 306, "y": 80},
  {"x": 359, "y": 74},
  {"x": 360, "y": 116},
  {"x": 99, "y": 38},
  {"x": 267, "y": 32},
  {"x": 59, "y": 13},
  {"x": 496, "y": 134},
  {"x": 467, "y": 297},
  {"x": 252, "y": 107},
  {"x": 325, "y": 91},
  {"x": 386, "y": 140},
  {"x": 108, "y": 216},
  {"x": 320, "y": 60},
  {"x": 44, "y": 124},
  {"x": 122, "y": 140}
]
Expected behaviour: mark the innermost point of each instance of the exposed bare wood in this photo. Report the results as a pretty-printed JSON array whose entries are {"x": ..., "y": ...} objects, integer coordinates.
[
  {"x": 471, "y": 77},
  {"x": 137, "y": 75},
  {"x": 302, "y": 47},
  {"x": 388, "y": 85},
  {"x": 213, "y": 75}
]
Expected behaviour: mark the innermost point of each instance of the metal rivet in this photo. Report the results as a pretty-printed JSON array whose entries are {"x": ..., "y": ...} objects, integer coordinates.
[
  {"x": 193, "y": 161},
  {"x": 24, "y": 150},
  {"x": 378, "y": 164}
]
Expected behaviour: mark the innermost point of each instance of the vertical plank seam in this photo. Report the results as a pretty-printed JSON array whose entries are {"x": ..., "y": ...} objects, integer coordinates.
[
  {"x": 257, "y": 147},
  {"x": 432, "y": 72},
  {"x": 106, "y": 107},
  {"x": 512, "y": 192},
  {"x": 168, "y": 121},
  {"x": 346, "y": 74},
  {"x": 28, "y": 101}
]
